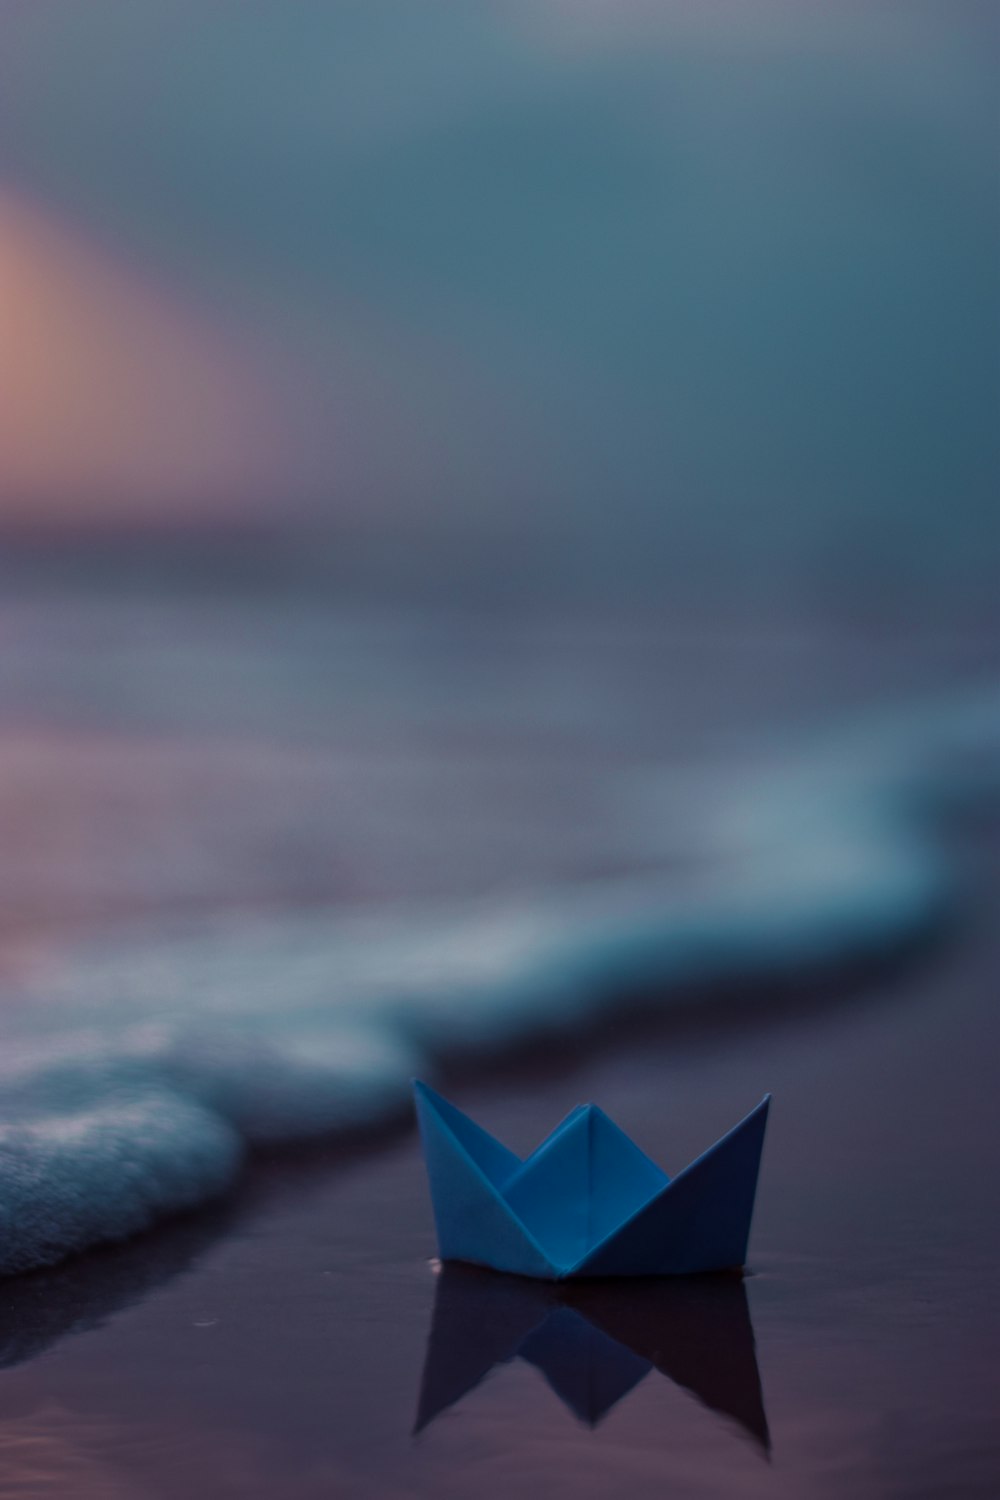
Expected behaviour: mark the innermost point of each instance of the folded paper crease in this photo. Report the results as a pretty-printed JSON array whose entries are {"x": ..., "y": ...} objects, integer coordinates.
[{"x": 587, "y": 1201}]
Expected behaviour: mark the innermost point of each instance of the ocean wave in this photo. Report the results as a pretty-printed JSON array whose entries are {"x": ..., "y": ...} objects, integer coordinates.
[{"x": 134, "y": 1080}]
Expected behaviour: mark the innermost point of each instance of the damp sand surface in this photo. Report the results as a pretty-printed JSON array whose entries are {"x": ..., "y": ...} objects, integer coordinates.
[
  {"x": 294, "y": 1340},
  {"x": 299, "y": 1340}
]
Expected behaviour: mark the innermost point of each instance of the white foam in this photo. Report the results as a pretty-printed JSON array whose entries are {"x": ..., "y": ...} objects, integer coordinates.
[{"x": 133, "y": 1080}]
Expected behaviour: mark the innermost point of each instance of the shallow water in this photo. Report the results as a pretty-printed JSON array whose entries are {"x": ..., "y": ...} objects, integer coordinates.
[
  {"x": 289, "y": 1338},
  {"x": 249, "y": 917},
  {"x": 291, "y": 1345}
]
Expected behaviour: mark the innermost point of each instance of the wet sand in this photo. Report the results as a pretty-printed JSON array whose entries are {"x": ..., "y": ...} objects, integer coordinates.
[{"x": 288, "y": 1343}]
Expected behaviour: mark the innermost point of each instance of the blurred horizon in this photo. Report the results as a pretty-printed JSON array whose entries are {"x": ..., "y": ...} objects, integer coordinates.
[{"x": 612, "y": 300}]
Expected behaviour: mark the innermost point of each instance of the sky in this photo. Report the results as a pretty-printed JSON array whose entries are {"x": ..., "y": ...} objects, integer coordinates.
[{"x": 711, "y": 282}]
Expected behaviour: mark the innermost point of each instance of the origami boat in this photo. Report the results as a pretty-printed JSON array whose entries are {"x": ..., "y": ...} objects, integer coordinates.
[{"x": 587, "y": 1202}]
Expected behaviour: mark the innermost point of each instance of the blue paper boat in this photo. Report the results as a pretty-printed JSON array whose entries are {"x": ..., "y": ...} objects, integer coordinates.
[{"x": 587, "y": 1202}]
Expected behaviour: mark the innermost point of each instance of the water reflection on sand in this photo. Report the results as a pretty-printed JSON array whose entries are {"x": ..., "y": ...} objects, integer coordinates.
[{"x": 594, "y": 1341}]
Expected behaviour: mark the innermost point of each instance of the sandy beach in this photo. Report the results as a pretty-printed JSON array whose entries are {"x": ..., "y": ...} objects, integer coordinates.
[
  {"x": 294, "y": 1338},
  {"x": 498, "y": 587},
  {"x": 281, "y": 1344}
]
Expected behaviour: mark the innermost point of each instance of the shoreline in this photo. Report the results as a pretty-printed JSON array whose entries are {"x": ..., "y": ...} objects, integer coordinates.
[
  {"x": 277, "y": 1342},
  {"x": 176, "y": 1063}
]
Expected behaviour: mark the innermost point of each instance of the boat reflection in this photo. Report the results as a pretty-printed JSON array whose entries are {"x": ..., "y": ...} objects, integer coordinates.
[{"x": 595, "y": 1341}]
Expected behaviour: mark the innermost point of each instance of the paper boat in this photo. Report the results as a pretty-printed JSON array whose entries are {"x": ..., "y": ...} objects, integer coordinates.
[
  {"x": 594, "y": 1341},
  {"x": 587, "y": 1202}
]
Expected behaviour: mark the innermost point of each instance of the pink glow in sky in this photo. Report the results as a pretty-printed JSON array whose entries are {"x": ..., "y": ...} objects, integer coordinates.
[
  {"x": 642, "y": 283},
  {"x": 114, "y": 399}
]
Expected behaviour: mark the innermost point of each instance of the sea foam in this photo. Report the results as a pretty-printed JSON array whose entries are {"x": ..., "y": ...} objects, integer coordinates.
[{"x": 135, "y": 1079}]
